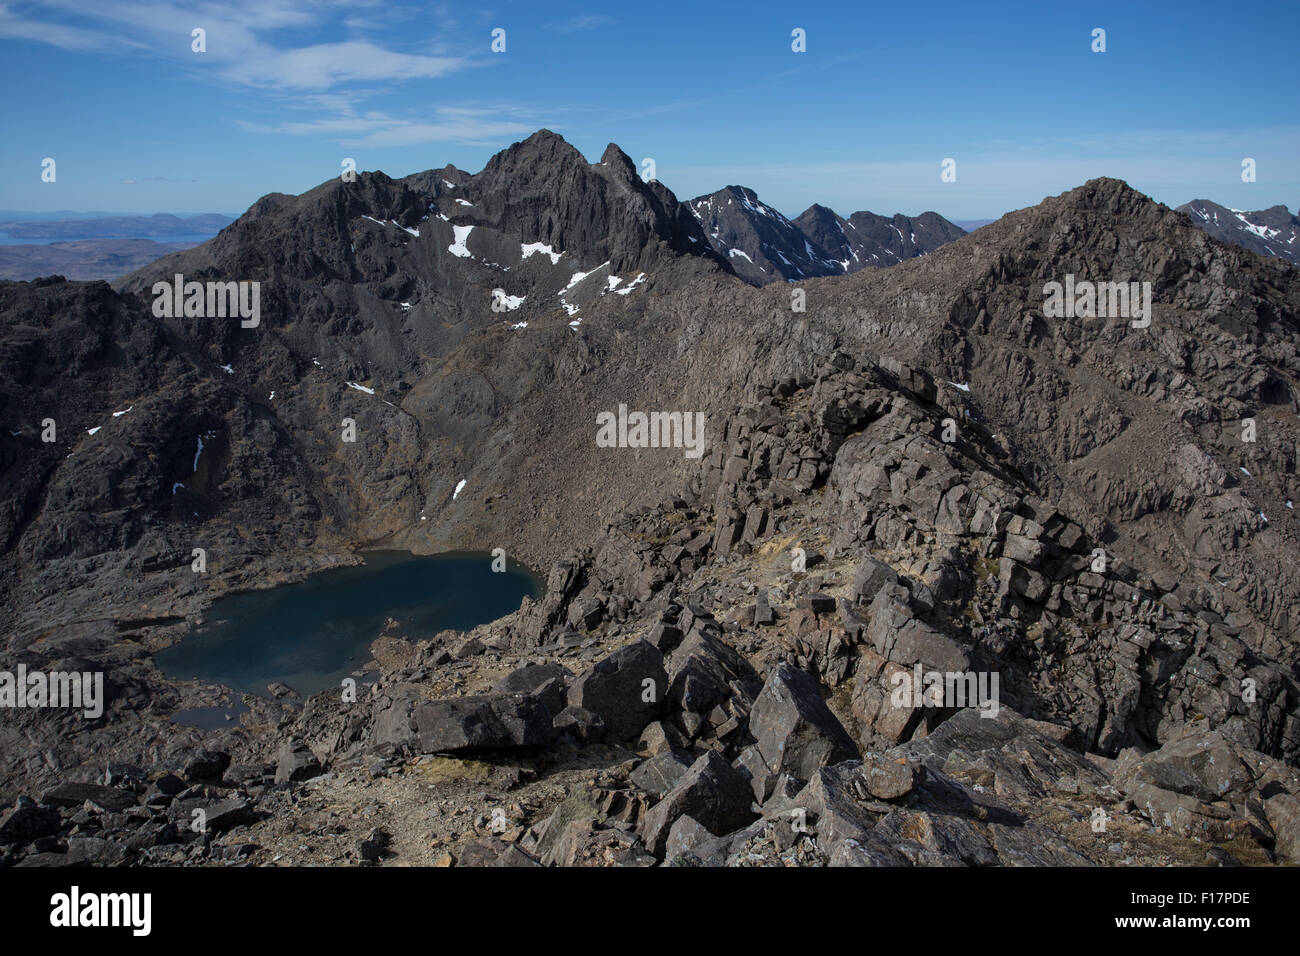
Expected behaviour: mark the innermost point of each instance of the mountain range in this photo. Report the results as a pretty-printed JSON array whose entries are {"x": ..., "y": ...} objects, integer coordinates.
[
  {"x": 920, "y": 467},
  {"x": 1270, "y": 232},
  {"x": 763, "y": 246}
]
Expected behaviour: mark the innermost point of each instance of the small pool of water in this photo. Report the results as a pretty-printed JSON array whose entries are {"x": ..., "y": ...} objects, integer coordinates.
[{"x": 312, "y": 634}]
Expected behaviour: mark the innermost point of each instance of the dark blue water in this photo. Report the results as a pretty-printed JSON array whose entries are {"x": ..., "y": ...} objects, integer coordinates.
[{"x": 313, "y": 634}]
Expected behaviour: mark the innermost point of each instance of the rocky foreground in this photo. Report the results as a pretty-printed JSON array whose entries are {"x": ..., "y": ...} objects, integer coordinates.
[{"x": 712, "y": 684}]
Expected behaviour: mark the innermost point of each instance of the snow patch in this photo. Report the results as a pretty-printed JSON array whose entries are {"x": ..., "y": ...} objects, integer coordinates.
[
  {"x": 361, "y": 388},
  {"x": 458, "y": 248},
  {"x": 528, "y": 248},
  {"x": 459, "y": 488},
  {"x": 640, "y": 277}
]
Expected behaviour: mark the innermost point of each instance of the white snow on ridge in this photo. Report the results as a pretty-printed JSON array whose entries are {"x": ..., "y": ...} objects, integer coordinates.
[
  {"x": 737, "y": 252},
  {"x": 458, "y": 248},
  {"x": 122, "y": 412},
  {"x": 640, "y": 277},
  {"x": 613, "y": 283},
  {"x": 449, "y": 184},
  {"x": 528, "y": 248},
  {"x": 511, "y": 302},
  {"x": 91, "y": 431},
  {"x": 579, "y": 276},
  {"x": 459, "y": 488},
  {"x": 385, "y": 222},
  {"x": 227, "y": 369},
  {"x": 361, "y": 388},
  {"x": 960, "y": 386},
  {"x": 464, "y": 202}
]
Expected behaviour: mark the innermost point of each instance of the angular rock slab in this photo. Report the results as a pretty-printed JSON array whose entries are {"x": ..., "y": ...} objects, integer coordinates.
[{"x": 794, "y": 731}]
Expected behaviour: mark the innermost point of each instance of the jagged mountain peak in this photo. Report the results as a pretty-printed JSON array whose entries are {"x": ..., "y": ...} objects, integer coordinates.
[{"x": 615, "y": 159}]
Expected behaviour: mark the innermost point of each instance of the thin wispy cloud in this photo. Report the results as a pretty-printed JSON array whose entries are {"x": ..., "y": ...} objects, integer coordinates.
[
  {"x": 580, "y": 24},
  {"x": 244, "y": 41},
  {"x": 375, "y": 129},
  {"x": 328, "y": 65}
]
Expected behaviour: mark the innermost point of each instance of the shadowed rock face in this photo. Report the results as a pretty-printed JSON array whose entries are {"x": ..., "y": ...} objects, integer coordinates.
[
  {"x": 933, "y": 417},
  {"x": 866, "y": 239}
]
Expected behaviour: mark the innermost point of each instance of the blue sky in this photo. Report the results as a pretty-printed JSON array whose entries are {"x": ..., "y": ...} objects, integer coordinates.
[{"x": 137, "y": 122}]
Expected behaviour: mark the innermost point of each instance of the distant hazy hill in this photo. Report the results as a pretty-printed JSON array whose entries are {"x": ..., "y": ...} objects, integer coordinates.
[
  {"x": 158, "y": 226},
  {"x": 85, "y": 259}
]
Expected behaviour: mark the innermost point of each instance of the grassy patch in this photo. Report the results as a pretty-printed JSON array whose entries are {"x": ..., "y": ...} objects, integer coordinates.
[{"x": 451, "y": 770}]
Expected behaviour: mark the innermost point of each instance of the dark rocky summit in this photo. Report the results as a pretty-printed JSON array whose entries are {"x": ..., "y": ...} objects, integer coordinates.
[{"x": 922, "y": 473}]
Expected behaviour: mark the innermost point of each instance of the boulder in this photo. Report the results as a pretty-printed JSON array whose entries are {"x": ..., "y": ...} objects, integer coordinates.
[
  {"x": 702, "y": 673},
  {"x": 26, "y": 822},
  {"x": 711, "y": 791},
  {"x": 794, "y": 731},
  {"x": 206, "y": 765},
  {"x": 483, "y": 722},
  {"x": 660, "y": 773},
  {"x": 870, "y": 577},
  {"x": 626, "y": 689},
  {"x": 295, "y": 763},
  {"x": 75, "y": 794}
]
